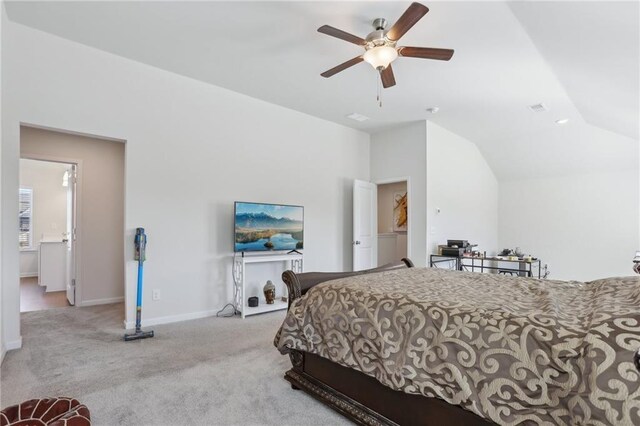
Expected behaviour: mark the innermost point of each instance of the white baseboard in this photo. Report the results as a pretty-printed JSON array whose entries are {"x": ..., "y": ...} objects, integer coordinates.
[
  {"x": 14, "y": 344},
  {"x": 28, "y": 274},
  {"x": 106, "y": 301},
  {"x": 171, "y": 318}
]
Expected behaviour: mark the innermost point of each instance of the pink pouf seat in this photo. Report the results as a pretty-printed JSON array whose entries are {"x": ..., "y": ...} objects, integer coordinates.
[{"x": 59, "y": 411}]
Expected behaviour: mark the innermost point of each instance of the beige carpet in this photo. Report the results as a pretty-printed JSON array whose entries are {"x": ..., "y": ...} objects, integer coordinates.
[{"x": 213, "y": 371}]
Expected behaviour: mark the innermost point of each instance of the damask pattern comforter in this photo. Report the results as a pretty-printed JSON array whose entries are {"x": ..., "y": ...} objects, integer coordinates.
[{"x": 512, "y": 350}]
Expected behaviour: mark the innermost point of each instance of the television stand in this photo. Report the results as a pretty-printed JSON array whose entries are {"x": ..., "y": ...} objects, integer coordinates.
[
  {"x": 294, "y": 251},
  {"x": 290, "y": 261}
]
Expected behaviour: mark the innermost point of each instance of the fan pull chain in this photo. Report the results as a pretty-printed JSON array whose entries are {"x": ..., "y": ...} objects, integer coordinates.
[{"x": 379, "y": 89}]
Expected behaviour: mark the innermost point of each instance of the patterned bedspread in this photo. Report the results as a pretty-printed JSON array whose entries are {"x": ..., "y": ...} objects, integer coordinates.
[{"x": 512, "y": 350}]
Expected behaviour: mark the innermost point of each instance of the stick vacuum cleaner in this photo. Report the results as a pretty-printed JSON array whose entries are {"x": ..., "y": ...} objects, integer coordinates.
[{"x": 141, "y": 244}]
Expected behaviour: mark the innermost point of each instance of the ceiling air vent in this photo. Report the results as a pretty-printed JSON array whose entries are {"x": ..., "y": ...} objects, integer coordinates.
[
  {"x": 357, "y": 117},
  {"x": 538, "y": 108}
]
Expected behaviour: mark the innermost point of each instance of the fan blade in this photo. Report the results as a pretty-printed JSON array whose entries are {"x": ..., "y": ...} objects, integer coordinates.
[
  {"x": 343, "y": 66},
  {"x": 426, "y": 53},
  {"x": 334, "y": 32},
  {"x": 388, "y": 80},
  {"x": 413, "y": 14}
]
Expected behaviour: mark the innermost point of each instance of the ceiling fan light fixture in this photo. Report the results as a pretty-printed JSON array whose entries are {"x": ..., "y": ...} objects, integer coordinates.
[
  {"x": 380, "y": 56},
  {"x": 380, "y": 45}
]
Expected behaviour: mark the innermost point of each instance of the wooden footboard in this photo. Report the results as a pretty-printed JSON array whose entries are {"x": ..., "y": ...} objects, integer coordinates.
[{"x": 355, "y": 395}]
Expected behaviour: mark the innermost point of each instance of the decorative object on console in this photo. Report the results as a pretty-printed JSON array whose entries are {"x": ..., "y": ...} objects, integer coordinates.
[
  {"x": 400, "y": 213},
  {"x": 253, "y": 302},
  {"x": 451, "y": 251},
  {"x": 270, "y": 292},
  {"x": 456, "y": 248},
  {"x": 458, "y": 243}
]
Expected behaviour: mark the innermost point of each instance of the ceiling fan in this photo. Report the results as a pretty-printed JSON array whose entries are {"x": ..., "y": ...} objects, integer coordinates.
[{"x": 380, "y": 45}]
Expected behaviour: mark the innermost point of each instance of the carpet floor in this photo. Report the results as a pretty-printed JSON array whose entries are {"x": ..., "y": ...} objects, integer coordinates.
[{"x": 211, "y": 371}]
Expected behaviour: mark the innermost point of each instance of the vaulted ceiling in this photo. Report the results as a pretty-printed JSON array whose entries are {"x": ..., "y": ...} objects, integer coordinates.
[{"x": 581, "y": 59}]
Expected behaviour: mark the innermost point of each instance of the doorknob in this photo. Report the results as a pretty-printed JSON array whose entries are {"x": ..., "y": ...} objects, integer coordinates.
[{"x": 356, "y": 242}]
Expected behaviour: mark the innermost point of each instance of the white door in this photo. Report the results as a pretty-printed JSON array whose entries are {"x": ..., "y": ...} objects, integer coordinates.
[
  {"x": 365, "y": 225},
  {"x": 71, "y": 234}
]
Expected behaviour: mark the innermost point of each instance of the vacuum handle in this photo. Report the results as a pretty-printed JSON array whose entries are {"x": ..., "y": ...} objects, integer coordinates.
[{"x": 141, "y": 245}]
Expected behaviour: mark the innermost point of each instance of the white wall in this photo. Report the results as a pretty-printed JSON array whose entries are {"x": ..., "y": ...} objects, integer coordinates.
[
  {"x": 401, "y": 152},
  {"x": 2, "y": 341},
  {"x": 584, "y": 226},
  {"x": 462, "y": 185},
  {"x": 29, "y": 262},
  {"x": 49, "y": 211},
  {"x": 100, "y": 208},
  {"x": 192, "y": 149}
]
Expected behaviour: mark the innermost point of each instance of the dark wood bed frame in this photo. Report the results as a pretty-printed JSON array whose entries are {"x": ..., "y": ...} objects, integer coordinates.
[
  {"x": 359, "y": 397},
  {"x": 362, "y": 398}
]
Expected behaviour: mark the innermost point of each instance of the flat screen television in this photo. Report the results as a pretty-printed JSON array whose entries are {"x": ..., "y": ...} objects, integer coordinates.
[{"x": 268, "y": 227}]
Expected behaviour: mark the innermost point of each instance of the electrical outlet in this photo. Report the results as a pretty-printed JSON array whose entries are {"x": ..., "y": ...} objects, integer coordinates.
[{"x": 155, "y": 295}]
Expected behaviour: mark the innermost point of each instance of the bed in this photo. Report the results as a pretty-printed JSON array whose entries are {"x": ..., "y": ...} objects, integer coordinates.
[{"x": 404, "y": 345}]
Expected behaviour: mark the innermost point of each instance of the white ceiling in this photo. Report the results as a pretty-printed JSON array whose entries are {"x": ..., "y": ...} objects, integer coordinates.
[
  {"x": 508, "y": 56},
  {"x": 597, "y": 60}
]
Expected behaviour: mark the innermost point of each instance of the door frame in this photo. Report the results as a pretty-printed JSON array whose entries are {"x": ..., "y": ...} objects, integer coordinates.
[
  {"x": 77, "y": 253},
  {"x": 399, "y": 179}
]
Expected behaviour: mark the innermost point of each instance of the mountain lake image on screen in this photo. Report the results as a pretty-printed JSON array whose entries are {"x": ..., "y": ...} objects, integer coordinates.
[{"x": 268, "y": 227}]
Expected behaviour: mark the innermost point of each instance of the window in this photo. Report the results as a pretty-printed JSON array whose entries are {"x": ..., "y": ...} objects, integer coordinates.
[{"x": 26, "y": 218}]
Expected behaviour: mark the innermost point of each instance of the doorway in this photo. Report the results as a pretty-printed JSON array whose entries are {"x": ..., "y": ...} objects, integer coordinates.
[
  {"x": 47, "y": 214},
  {"x": 393, "y": 221},
  {"x": 381, "y": 222},
  {"x": 96, "y": 271}
]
